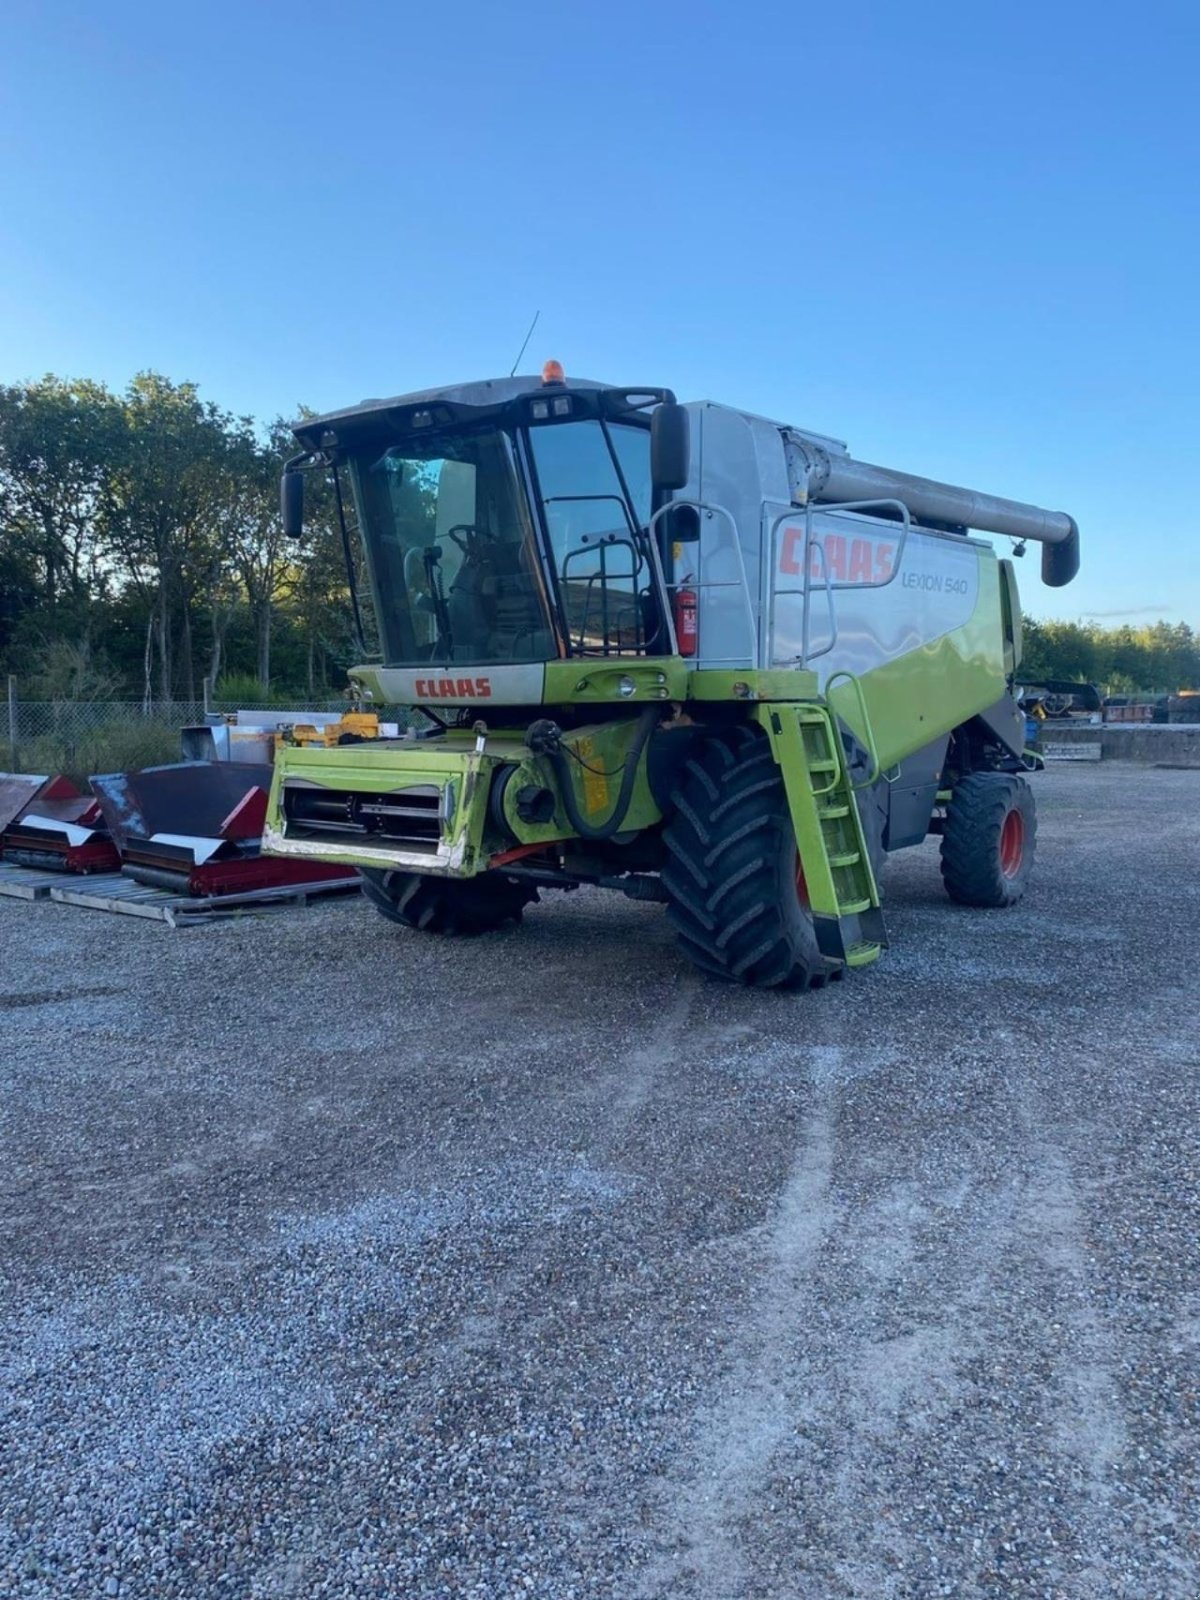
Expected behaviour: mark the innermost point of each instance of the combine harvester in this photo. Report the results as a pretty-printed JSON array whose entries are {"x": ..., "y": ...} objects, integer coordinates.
[{"x": 678, "y": 651}]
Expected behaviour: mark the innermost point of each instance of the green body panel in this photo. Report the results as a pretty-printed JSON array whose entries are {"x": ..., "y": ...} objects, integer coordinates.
[
  {"x": 584, "y": 682},
  {"x": 773, "y": 683},
  {"x": 450, "y": 763},
  {"x": 916, "y": 697},
  {"x": 596, "y": 777}
]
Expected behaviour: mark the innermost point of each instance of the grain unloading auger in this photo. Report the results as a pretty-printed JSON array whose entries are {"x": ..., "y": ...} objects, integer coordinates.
[{"x": 679, "y": 651}]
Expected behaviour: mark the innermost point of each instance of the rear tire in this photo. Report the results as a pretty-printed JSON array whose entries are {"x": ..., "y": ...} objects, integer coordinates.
[
  {"x": 989, "y": 839},
  {"x": 735, "y": 898},
  {"x": 463, "y": 906}
]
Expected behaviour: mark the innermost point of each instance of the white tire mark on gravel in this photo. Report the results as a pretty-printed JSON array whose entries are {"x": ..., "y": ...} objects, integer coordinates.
[
  {"x": 1085, "y": 1405},
  {"x": 747, "y": 1423},
  {"x": 628, "y": 1088}
]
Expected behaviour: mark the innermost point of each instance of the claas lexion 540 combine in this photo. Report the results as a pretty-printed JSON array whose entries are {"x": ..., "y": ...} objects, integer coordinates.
[{"x": 679, "y": 651}]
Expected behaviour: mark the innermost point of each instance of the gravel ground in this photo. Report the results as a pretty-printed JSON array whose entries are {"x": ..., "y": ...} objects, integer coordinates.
[{"x": 342, "y": 1261}]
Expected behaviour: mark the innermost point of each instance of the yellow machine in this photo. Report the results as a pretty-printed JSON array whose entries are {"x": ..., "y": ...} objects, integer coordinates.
[{"x": 353, "y": 728}]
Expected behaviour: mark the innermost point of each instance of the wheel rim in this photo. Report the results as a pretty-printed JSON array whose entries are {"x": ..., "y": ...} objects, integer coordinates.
[
  {"x": 801, "y": 882},
  {"x": 1012, "y": 844}
]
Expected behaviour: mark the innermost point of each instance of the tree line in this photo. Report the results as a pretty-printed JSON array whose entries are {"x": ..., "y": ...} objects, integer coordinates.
[
  {"x": 141, "y": 548},
  {"x": 1158, "y": 658},
  {"x": 142, "y": 553}
]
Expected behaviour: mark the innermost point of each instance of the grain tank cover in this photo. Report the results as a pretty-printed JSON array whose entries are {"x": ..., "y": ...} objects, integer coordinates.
[{"x": 819, "y": 471}]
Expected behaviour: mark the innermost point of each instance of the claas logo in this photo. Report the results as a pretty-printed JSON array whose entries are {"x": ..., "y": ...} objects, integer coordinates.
[
  {"x": 848, "y": 560},
  {"x": 453, "y": 688}
]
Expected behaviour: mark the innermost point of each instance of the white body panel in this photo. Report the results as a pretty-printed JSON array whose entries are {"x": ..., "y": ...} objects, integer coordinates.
[
  {"x": 433, "y": 685},
  {"x": 879, "y": 612},
  {"x": 740, "y": 468}
]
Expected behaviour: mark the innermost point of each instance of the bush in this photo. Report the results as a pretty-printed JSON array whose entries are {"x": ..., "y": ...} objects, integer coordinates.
[
  {"x": 115, "y": 747},
  {"x": 244, "y": 689}
]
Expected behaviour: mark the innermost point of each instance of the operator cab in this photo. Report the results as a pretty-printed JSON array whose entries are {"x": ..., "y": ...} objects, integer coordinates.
[{"x": 503, "y": 522}]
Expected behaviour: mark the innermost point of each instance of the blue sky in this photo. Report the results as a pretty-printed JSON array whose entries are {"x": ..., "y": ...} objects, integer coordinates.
[{"x": 964, "y": 238}]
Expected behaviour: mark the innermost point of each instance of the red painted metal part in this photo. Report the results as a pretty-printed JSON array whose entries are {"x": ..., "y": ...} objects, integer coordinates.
[
  {"x": 801, "y": 881},
  {"x": 262, "y": 872},
  {"x": 517, "y": 853},
  {"x": 60, "y": 788},
  {"x": 53, "y": 853},
  {"x": 248, "y": 818},
  {"x": 21, "y": 791},
  {"x": 97, "y": 855}
]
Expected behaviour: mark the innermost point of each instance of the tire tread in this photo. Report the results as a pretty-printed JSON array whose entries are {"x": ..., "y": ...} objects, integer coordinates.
[{"x": 729, "y": 828}]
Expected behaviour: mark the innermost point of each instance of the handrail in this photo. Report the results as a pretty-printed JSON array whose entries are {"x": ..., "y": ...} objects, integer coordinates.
[
  {"x": 635, "y": 536},
  {"x": 714, "y": 583},
  {"x": 875, "y": 772},
  {"x": 866, "y": 505},
  {"x": 815, "y": 542},
  {"x": 805, "y": 590}
]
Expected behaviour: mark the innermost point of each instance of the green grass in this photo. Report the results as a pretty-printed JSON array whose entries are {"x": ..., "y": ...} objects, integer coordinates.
[{"x": 116, "y": 747}]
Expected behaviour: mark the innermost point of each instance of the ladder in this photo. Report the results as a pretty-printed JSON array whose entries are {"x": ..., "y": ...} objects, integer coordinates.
[{"x": 835, "y": 867}]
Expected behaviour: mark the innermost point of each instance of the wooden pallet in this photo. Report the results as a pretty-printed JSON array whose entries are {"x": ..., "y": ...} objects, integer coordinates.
[
  {"x": 112, "y": 891},
  {"x": 25, "y": 883}
]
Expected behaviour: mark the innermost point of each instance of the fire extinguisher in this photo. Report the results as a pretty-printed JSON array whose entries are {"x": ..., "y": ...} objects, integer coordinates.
[{"x": 687, "y": 619}]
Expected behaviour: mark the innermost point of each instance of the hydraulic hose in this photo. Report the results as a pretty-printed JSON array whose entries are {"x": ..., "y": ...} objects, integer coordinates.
[{"x": 545, "y": 738}]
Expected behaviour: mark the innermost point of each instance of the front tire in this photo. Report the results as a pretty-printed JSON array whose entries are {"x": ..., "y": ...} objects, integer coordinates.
[
  {"x": 462, "y": 906},
  {"x": 989, "y": 839},
  {"x": 735, "y": 890}
]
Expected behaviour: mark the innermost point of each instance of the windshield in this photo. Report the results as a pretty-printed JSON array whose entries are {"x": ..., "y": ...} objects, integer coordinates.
[
  {"x": 456, "y": 566},
  {"x": 450, "y": 550}
]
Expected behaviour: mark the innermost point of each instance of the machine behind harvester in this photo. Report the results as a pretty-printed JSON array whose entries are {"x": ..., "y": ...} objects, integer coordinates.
[{"x": 679, "y": 651}]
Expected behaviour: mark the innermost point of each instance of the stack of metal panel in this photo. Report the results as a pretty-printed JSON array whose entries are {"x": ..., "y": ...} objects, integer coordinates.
[
  {"x": 195, "y": 827},
  {"x": 48, "y": 823}
]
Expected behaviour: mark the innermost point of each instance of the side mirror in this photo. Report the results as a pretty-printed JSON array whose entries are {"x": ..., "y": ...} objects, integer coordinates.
[
  {"x": 291, "y": 503},
  {"x": 670, "y": 453}
]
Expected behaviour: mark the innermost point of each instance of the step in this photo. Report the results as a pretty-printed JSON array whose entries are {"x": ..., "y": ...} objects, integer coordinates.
[
  {"x": 832, "y": 813},
  {"x": 849, "y": 858},
  {"x": 861, "y": 955},
  {"x": 852, "y": 908}
]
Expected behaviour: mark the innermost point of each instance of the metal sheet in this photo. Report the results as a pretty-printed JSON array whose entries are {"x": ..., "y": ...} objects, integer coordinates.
[
  {"x": 267, "y": 721},
  {"x": 34, "y": 821},
  {"x": 204, "y": 742},
  {"x": 202, "y": 849},
  {"x": 173, "y": 852},
  {"x": 189, "y": 797},
  {"x": 81, "y": 808},
  {"x": 18, "y": 790},
  {"x": 200, "y": 741}
]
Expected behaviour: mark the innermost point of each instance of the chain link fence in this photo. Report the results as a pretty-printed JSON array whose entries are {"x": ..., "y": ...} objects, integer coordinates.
[{"x": 80, "y": 737}]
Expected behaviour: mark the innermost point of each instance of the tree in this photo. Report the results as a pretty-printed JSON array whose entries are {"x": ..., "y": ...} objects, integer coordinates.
[
  {"x": 265, "y": 559},
  {"x": 56, "y": 450},
  {"x": 160, "y": 515}
]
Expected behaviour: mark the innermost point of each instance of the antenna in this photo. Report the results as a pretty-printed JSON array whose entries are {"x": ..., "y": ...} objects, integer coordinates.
[{"x": 528, "y": 336}]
